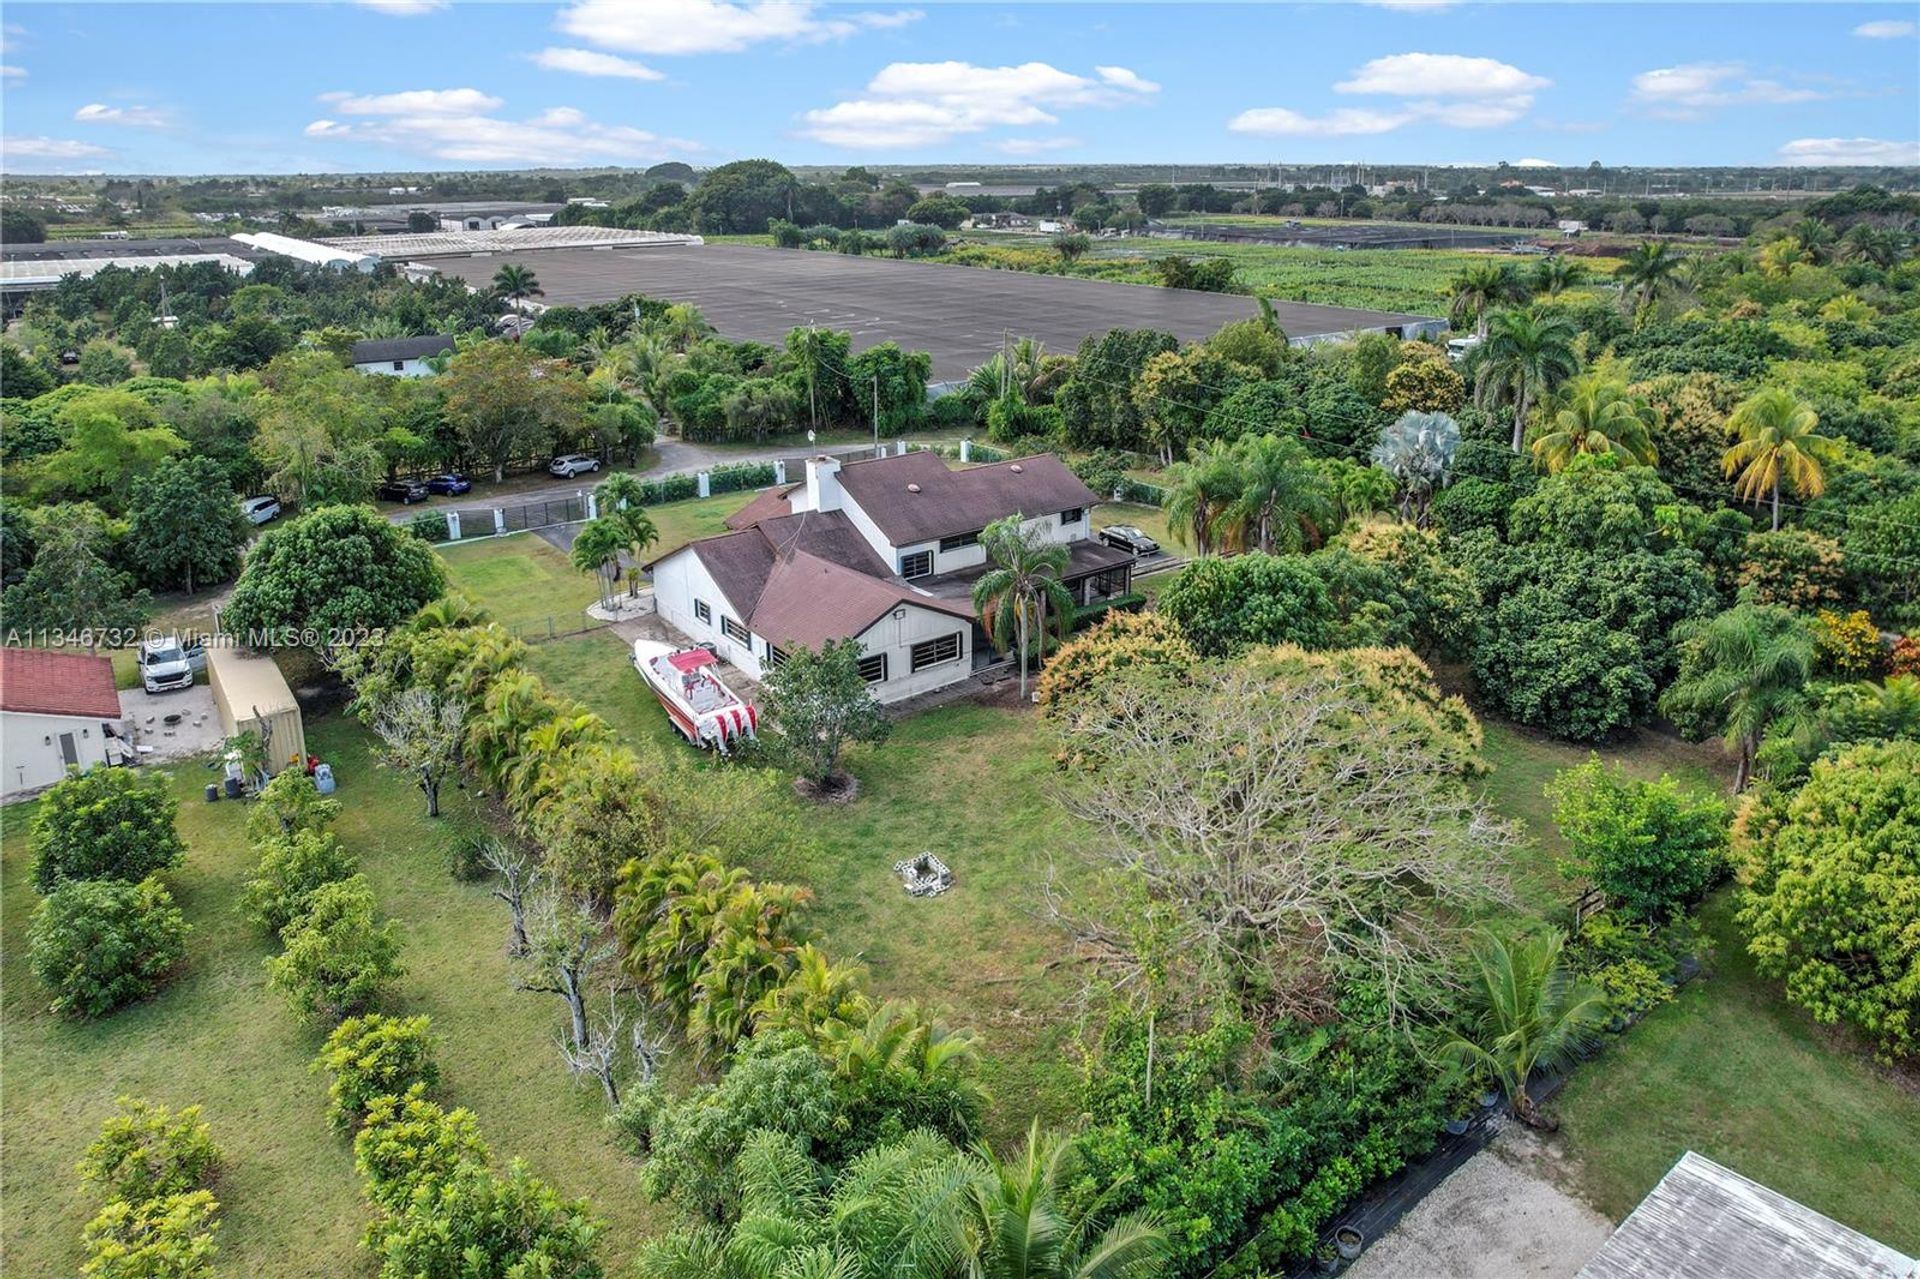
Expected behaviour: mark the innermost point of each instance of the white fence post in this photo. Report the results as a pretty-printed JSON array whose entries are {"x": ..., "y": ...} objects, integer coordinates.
[
  {"x": 706, "y": 484},
  {"x": 453, "y": 526},
  {"x": 780, "y": 470},
  {"x": 499, "y": 521},
  {"x": 899, "y": 448},
  {"x": 593, "y": 506},
  {"x": 966, "y": 450}
]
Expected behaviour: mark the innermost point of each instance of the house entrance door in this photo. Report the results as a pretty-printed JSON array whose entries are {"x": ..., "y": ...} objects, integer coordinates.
[{"x": 69, "y": 753}]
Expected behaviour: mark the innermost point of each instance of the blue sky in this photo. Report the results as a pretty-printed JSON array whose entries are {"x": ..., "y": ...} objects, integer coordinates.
[{"x": 426, "y": 84}]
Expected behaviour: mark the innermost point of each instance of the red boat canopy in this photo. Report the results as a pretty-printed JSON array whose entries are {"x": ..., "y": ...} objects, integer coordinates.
[{"x": 690, "y": 660}]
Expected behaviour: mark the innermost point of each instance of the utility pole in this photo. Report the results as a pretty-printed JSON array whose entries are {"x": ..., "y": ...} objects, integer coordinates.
[{"x": 876, "y": 415}]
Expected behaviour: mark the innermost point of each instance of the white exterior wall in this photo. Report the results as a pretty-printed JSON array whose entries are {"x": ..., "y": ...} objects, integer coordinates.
[
  {"x": 677, "y": 583},
  {"x": 896, "y": 636},
  {"x": 28, "y": 761},
  {"x": 966, "y": 556},
  {"x": 408, "y": 368}
]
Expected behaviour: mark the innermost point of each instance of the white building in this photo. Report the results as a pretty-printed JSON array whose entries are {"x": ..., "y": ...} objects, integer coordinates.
[
  {"x": 884, "y": 551},
  {"x": 400, "y": 357},
  {"x": 310, "y": 251},
  {"x": 58, "y": 711}
]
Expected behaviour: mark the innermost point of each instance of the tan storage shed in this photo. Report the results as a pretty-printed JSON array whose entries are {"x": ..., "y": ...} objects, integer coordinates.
[{"x": 252, "y": 696}]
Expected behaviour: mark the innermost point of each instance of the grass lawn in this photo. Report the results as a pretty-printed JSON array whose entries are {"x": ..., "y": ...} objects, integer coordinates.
[
  {"x": 1151, "y": 520},
  {"x": 1730, "y": 1069},
  {"x": 682, "y": 522},
  {"x": 291, "y": 1201},
  {"x": 526, "y": 582}
]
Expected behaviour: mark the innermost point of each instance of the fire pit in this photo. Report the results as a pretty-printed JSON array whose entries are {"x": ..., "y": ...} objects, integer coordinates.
[
  {"x": 924, "y": 876},
  {"x": 173, "y": 719}
]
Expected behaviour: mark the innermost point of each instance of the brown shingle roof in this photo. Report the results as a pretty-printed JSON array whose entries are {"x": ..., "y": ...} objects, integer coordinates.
[
  {"x": 809, "y": 600},
  {"x": 828, "y": 534},
  {"x": 738, "y": 563},
  {"x": 766, "y": 504},
  {"x": 952, "y": 502},
  {"x": 41, "y": 681}
]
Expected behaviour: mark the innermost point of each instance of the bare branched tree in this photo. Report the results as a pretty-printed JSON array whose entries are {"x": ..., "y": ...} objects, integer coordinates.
[
  {"x": 1278, "y": 824},
  {"x": 568, "y": 948},
  {"x": 598, "y": 1055},
  {"x": 519, "y": 871},
  {"x": 421, "y": 732}
]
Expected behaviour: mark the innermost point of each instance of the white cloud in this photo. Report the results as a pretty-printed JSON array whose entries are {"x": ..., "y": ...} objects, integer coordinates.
[
  {"x": 460, "y": 125},
  {"x": 404, "y": 8},
  {"x": 1034, "y": 146},
  {"x": 677, "y": 27},
  {"x": 50, "y": 149},
  {"x": 1533, "y": 162},
  {"x": 1685, "y": 91},
  {"x": 453, "y": 102},
  {"x": 1279, "y": 122},
  {"x": 589, "y": 62},
  {"x": 1441, "y": 75},
  {"x": 1884, "y": 30},
  {"x": 13, "y": 73},
  {"x": 1849, "y": 151},
  {"x": 921, "y": 104},
  {"x": 131, "y": 117}
]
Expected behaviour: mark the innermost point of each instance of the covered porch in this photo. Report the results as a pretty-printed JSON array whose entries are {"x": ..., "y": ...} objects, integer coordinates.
[{"x": 1095, "y": 573}]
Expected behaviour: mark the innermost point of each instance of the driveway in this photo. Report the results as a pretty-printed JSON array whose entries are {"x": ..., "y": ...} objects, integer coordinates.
[{"x": 196, "y": 731}]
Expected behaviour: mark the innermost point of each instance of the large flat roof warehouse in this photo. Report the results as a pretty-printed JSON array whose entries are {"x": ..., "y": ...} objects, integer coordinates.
[{"x": 960, "y": 314}]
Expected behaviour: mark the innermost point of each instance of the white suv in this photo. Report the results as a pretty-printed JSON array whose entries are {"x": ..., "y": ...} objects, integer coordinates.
[
  {"x": 572, "y": 464},
  {"x": 167, "y": 664}
]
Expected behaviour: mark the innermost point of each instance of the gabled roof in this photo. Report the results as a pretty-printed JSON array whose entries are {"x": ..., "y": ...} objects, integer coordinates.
[
  {"x": 38, "y": 681},
  {"x": 738, "y": 563},
  {"x": 1703, "y": 1221},
  {"x": 913, "y": 497},
  {"x": 766, "y": 504},
  {"x": 809, "y": 600},
  {"x": 384, "y": 350}
]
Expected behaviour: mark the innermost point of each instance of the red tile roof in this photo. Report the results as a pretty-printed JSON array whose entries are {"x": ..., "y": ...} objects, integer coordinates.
[{"x": 41, "y": 681}]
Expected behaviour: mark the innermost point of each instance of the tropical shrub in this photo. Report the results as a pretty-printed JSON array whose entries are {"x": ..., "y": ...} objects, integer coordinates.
[
  {"x": 1793, "y": 567},
  {"x": 1830, "y": 874},
  {"x": 171, "y": 1237},
  {"x": 106, "y": 823},
  {"x": 338, "y": 961},
  {"x": 1652, "y": 847},
  {"x": 97, "y": 944},
  {"x": 147, "y": 1151},
  {"x": 375, "y": 1056},
  {"x": 1116, "y": 642},
  {"x": 408, "y": 1142},
  {"x": 290, "y": 868},
  {"x": 1223, "y": 605},
  {"x": 1846, "y": 645},
  {"x": 479, "y": 1224},
  {"x": 290, "y": 803}
]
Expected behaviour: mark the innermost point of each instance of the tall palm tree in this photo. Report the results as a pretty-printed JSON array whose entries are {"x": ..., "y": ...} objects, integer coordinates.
[
  {"x": 1527, "y": 1013},
  {"x": 1817, "y": 240},
  {"x": 1017, "y": 1226},
  {"x": 1778, "y": 447},
  {"x": 1876, "y": 245},
  {"x": 1417, "y": 450},
  {"x": 1742, "y": 671},
  {"x": 1650, "y": 271},
  {"x": 596, "y": 549},
  {"x": 618, "y": 498},
  {"x": 1527, "y": 355},
  {"x": 1283, "y": 503},
  {"x": 1597, "y": 414},
  {"x": 517, "y": 283},
  {"x": 1015, "y": 596},
  {"x": 1478, "y": 290},
  {"x": 1199, "y": 491}
]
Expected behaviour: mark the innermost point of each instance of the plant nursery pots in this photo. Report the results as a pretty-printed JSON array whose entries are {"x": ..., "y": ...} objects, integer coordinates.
[{"x": 1348, "y": 1242}]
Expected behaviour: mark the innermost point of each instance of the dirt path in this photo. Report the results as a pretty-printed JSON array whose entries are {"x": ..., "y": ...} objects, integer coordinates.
[{"x": 1499, "y": 1217}]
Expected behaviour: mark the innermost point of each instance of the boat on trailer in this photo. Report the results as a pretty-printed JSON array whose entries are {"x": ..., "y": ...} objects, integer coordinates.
[{"x": 705, "y": 710}]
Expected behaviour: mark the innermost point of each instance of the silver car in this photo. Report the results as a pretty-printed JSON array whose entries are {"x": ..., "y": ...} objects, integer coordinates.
[
  {"x": 572, "y": 464},
  {"x": 259, "y": 510}
]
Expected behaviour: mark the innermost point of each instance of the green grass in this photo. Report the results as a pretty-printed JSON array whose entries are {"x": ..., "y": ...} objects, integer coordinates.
[
  {"x": 682, "y": 522},
  {"x": 216, "y": 1036},
  {"x": 596, "y": 670},
  {"x": 1151, "y": 520},
  {"x": 1730, "y": 1069},
  {"x": 525, "y": 581}
]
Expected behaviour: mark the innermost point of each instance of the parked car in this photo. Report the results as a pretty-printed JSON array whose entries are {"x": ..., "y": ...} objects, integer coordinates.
[
  {"x": 451, "y": 484},
  {"x": 1128, "y": 538},
  {"x": 571, "y": 464},
  {"x": 406, "y": 492},
  {"x": 261, "y": 509},
  {"x": 167, "y": 664}
]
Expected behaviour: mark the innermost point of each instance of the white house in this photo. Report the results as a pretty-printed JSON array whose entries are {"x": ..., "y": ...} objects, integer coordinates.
[
  {"x": 884, "y": 551},
  {"x": 400, "y": 357},
  {"x": 58, "y": 710}
]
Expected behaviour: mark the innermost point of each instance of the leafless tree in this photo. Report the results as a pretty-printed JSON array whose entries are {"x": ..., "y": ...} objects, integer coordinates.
[
  {"x": 598, "y": 1055},
  {"x": 519, "y": 871},
  {"x": 568, "y": 947},
  {"x": 421, "y": 732},
  {"x": 1279, "y": 824}
]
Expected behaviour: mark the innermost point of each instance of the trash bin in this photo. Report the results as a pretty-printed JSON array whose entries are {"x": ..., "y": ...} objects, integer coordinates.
[
  {"x": 213, "y": 792},
  {"x": 323, "y": 778},
  {"x": 233, "y": 788}
]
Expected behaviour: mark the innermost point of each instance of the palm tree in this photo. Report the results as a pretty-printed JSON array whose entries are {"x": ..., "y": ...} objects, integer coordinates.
[
  {"x": 1556, "y": 273},
  {"x": 1598, "y": 414},
  {"x": 1478, "y": 290},
  {"x": 1199, "y": 491},
  {"x": 1527, "y": 355},
  {"x": 515, "y": 703},
  {"x": 1817, "y": 240},
  {"x": 517, "y": 283},
  {"x": 1648, "y": 272},
  {"x": 1528, "y": 1014},
  {"x": 1014, "y": 596},
  {"x": 618, "y": 498},
  {"x": 1741, "y": 671},
  {"x": 596, "y": 550},
  {"x": 1876, "y": 245},
  {"x": 1417, "y": 450},
  {"x": 1283, "y": 503},
  {"x": 1777, "y": 447},
  {"x": 1017, "y": 1227}
]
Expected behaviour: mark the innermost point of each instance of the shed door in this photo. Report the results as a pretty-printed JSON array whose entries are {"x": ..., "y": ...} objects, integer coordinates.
[{"x": 69, "y": 754}]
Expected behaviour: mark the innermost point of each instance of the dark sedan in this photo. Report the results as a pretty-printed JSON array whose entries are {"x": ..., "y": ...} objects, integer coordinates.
[
  {"x": 406, "y": 492},
  {"x": 1128, "y": 538},
  {"x": 450, "y": 484}
]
